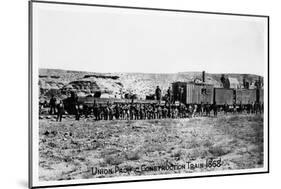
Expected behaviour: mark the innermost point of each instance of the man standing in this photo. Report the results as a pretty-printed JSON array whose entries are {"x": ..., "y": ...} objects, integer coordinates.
[
  {"x": 77, "y": 112},
  {"x": 100, "y": 112},
  {"x": 225, "y": 108},
  {"x": 158, "y": 93},
  {"x": 169, "y": 95},
  {"x": 60, "y": 112},
  {"x": 240, "y": 108},
  {"x": 208, "y": 109},
  {"x": 95, "y": 110},
  {"x": 53, "y": 105},
  {"x": 215, "y": 109},
  {"x": 117, "y": 111},
  {"x": 201, "y": 109},
  {"x": 106, "y": 112},
  {"x": 181, "y": 94}
]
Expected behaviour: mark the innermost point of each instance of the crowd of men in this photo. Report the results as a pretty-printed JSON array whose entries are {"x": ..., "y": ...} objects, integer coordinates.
[{"x": 138, "y": 111}]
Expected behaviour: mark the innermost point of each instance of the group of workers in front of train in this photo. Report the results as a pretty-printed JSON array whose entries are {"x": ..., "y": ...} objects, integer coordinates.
[{"x": 137, "y": 111}]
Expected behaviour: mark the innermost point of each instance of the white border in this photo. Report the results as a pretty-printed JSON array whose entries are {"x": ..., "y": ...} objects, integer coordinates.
[{"x": 35, "y": 101}]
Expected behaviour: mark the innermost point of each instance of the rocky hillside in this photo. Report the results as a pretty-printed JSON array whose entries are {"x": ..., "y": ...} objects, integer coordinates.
[{"x": 116, "y": 85}]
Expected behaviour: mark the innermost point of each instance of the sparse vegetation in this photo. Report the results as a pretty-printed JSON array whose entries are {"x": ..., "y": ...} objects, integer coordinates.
[{"x": 236, "y": 139}]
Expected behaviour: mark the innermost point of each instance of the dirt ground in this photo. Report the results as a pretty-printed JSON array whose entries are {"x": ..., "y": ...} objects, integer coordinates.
[{"x": 73, "y": 149}]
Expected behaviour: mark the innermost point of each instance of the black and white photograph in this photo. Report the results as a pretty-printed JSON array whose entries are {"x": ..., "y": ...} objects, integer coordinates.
[{"x": 121, "y": 94}]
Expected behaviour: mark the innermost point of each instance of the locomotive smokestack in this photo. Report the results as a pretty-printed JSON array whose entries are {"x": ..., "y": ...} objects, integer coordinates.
[{"x": 203, "y": 76}]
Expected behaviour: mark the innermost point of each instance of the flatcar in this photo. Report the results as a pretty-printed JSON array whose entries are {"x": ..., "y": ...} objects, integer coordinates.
[
  {"x": 91, "y": 100},
  {"x": 85, "y": 104}
]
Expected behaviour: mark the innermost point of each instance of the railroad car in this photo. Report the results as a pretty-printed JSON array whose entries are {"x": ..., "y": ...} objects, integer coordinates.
[
  {"x": 196, "y": 93},
  {"x": 192, "y": 93},
  {"x": 184, "y": 92},
  {"x": 246, "y": 96}
]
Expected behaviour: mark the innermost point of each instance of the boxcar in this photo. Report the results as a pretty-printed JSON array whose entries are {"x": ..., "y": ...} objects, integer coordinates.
[
  {"x": 192, "y": 93},
  {"x": 199, "y": 93},
  {"x": 222, "y": 96},
  {"x": 246, "y": 96}
]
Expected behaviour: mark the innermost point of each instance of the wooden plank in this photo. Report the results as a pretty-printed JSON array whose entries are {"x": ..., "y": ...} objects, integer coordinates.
[
  {"x": 246, "y": 96},
  {"x": 223, "y": 96},
  {"x": 91, "y": 100},
  {"x": 190, "y": 93}
]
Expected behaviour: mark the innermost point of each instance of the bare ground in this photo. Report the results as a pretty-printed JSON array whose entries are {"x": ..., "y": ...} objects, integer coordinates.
[{"x": 68, "y": 150}]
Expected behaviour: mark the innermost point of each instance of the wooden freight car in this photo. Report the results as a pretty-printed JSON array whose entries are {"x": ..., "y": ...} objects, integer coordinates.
[
  {"x": 246, "y": 96},
  {"x": 222, "y": 96},
  {"x": 192, "y": 93}
]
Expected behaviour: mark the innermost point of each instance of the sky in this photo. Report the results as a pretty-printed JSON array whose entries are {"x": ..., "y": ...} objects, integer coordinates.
[{"x": 99, "y": 39}]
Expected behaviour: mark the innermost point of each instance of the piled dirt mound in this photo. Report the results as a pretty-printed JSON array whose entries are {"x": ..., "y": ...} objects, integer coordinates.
[
  {"x": 47, "y": 84},
  {"x": 82, "y": 87},
  {"x": 57, "y": 82},
  {"x": 89, "y": 86}
]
